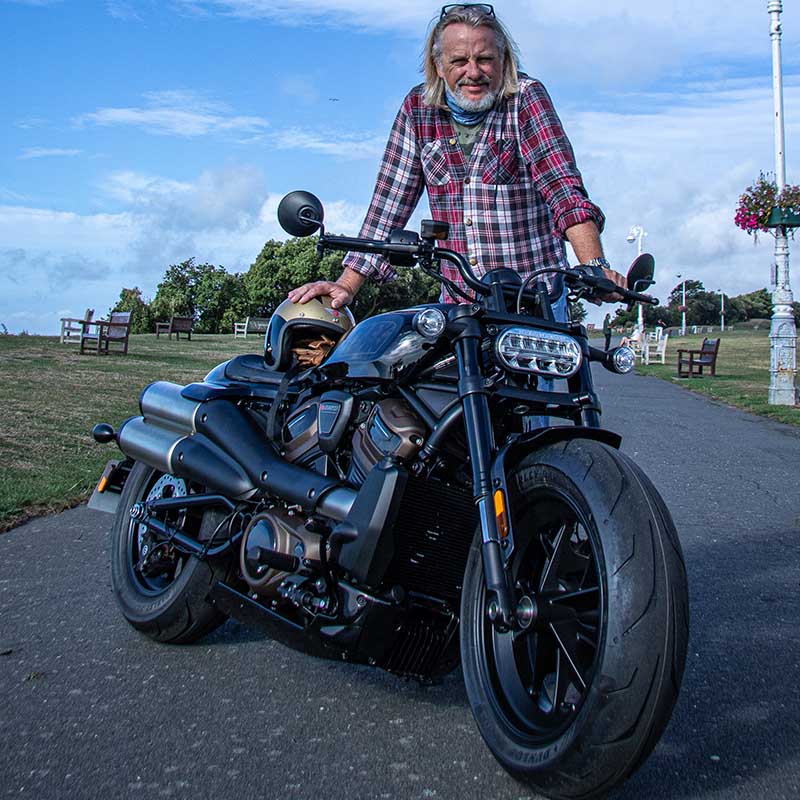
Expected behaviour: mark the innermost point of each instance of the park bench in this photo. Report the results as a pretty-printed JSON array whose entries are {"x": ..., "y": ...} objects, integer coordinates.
[
  {"x": 250, "y": 325},
  {"x": 692, "y": 362},
  {"x": 99, "y": 334},
  {"x": 656, "y": 349},
  {"x": 71, "y": 328},
  {"x": 176, "y": 325}
]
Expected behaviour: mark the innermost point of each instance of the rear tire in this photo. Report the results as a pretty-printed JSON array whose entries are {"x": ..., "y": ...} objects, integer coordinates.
[
  {"x": 576, "y": 703},
  {"x": 168, "y": 606}
]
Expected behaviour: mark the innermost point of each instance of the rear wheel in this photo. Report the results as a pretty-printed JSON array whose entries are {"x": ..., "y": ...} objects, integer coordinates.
[
  {"x": 576, "y": 701},
  {"x": 160, "y": 591}
]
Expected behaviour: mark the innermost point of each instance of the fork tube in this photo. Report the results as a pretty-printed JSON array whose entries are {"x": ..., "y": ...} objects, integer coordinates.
[{"x": 480, "y": 441}]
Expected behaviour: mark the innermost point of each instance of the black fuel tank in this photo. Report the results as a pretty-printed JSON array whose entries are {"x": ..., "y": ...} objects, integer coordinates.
[{"x": 384, "y": 346}]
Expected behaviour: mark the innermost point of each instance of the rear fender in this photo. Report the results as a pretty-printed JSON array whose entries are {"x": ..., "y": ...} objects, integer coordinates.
[{"x": 509, "y": 456}]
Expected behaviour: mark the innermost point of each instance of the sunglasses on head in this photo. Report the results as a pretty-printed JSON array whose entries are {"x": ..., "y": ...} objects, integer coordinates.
[{"x": 485, "y": 7}]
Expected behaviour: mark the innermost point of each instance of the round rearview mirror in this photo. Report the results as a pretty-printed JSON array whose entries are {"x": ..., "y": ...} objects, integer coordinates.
[
  {"x": 640, "y": 275},
  {"x": 300, "y": 213}
]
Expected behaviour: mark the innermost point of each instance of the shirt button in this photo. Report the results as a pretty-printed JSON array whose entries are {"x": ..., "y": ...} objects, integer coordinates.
[
  {"x": 473, "y": 261},
  {"x": 468, "y": 221},
  {"x": 452, "y": 141},
  {"x": 467, "y": 181}
]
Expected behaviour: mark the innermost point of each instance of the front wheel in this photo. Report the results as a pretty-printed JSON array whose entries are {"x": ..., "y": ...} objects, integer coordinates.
[
  {"x": 160, "y": 591},
  {"x": 574, "y": 702}
]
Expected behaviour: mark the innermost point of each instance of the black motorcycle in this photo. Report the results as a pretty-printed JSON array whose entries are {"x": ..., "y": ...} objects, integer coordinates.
[{"x": 395, "y": 506}]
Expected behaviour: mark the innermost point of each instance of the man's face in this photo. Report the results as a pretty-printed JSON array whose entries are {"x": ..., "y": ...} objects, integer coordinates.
[{"x": 471, "y": 65}]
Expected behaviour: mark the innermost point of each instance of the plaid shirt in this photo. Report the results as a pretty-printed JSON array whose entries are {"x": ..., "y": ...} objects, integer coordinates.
[{"x": 509, "y": 205}]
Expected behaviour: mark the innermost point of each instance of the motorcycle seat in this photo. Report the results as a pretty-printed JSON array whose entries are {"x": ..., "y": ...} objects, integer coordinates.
[{"x": 250, "y": 368}]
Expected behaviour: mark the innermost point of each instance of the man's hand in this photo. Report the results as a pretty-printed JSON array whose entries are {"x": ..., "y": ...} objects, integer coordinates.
[
  {"x": 620, "y": 280},
  {"x": 341, "y": 291},
  {"x": 340, "y": 295}
]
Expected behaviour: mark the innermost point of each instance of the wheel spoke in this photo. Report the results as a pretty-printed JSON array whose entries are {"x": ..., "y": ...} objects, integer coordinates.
[
  {"x": 567, "y": 596},
  {"x": 550, "y": 575},
  {"x": 566, "y": 646}
]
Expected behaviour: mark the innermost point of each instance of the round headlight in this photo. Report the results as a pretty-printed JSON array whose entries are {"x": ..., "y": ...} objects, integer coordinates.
[
  {"x": 624, "y": 359},
  {"x": 430, "y": 322}
]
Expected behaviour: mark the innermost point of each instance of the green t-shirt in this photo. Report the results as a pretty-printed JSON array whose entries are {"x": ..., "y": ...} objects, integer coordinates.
[{"x": 468, "y": 135}]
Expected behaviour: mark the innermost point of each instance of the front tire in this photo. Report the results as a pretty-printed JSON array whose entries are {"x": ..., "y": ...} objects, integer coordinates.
[
  {"x": 575, "y": 703},
  {"x": 167, "y": 601}
]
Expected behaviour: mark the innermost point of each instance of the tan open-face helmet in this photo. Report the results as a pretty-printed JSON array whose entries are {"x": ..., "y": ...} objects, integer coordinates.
[{"x": 294, "y": 325}]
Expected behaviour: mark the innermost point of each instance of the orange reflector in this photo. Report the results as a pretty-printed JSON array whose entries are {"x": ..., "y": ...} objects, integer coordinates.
[
  {"x": 101, "y": 487},
  {"x": 500, "y": 513}
]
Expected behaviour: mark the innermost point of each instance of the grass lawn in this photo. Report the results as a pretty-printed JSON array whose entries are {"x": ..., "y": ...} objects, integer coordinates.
[
  {"x": 51, "y": 397},
  {"x": 742, "y": 377}
]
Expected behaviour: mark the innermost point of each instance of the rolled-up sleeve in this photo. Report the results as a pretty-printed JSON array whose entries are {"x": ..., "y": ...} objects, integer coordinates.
[
  {"x": 397, "y": 192},
  {"x": 549, "y": 156}
]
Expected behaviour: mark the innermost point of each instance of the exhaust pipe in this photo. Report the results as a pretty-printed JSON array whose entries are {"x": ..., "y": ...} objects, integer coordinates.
[{"x": 216, "y": 444}]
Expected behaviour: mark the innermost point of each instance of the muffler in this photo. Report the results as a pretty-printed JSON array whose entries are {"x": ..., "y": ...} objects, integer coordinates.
[{"x": 217, "y": 444}]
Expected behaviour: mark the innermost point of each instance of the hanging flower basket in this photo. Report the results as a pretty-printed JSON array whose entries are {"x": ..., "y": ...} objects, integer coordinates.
[{"x": 762, "y": 208}]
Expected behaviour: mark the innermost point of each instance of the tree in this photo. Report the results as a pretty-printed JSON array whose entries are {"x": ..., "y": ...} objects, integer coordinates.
[
  {"x": 220, "y": 300},
  {"x": 209, "y": 294},
  {"x": 282, "y": 266},
  {"x": 141, "y": 316}
]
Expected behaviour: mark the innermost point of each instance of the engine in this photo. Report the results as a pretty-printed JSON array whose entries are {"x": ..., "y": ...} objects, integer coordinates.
[
  {"x": 314, "y": 432},
  {"x": 391, "y": 429},
  {"x": 277, "y": 543}
]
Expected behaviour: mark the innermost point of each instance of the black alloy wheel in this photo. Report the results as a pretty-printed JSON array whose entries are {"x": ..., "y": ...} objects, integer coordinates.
[
  {"x": 542, "y": 671},
  {"x": 160, "y": 591}
]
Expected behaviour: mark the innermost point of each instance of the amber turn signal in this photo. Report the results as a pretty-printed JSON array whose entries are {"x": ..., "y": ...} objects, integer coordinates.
[{"x": 500, "y": 513}]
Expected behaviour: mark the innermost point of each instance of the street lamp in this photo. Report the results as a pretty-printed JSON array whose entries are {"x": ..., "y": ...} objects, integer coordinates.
[
  {"x": 783, "y": 331},
  {"x": 721, "y": 311},
  {"x": 683, "y": 305},
  {"x": 638, "y": 232}
]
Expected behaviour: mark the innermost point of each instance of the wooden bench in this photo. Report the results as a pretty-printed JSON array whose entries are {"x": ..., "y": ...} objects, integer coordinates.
[
  {"x": 250, "y": 325},
  {"x": 71, "y": 328},
  {"x": 102, "y": 333},
  {"x": 692, "y": 362},
  {"x": 176, "y": 325},
  {"x": 656, "y": 349}
]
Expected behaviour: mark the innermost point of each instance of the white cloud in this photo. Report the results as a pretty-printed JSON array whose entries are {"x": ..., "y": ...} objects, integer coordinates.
[
  {"x": 678, "y": 171},
  {"x": 122, "y": 10},
  {"x": 46, "y": 152},
  {"x": 226, "y": 198},
  {"x": 177, "y": 113},
  {"x": 623, "y": 40},
  {"x": 342, "y": 145}
]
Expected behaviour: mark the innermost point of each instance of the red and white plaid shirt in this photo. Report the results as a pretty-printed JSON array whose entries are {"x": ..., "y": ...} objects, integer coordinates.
[{"x": 509, "y": 205}]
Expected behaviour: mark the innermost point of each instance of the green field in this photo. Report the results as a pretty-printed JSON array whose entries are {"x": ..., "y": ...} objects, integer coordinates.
[
  {"x": 50, "y": 397},
  {"x": 742, "y": 377}
]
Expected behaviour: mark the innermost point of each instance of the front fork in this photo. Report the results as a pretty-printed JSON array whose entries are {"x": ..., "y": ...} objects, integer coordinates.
[{"x": 480, "y": 441}]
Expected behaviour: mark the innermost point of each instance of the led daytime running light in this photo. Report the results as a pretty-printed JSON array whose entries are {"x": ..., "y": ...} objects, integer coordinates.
[{"x": 543, "y": 352}]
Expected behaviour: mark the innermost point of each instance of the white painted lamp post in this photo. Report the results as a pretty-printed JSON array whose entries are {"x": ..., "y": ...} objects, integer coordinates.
[
  {"x": 721, "y": 311},
  {"x": 683, "y": 305},
  {"x": 783, "y": 331},
  {"x": 638, "y": 232}
]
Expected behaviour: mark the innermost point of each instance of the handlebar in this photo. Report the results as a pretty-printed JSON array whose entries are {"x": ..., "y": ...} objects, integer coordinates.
[{"x": 576, "y": 278}]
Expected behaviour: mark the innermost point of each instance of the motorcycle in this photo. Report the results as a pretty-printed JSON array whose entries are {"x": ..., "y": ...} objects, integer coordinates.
[{"x": 393, "y": 506}]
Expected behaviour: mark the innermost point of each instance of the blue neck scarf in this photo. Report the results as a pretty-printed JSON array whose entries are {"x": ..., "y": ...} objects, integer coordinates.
[{"x": 459, "y": 114}]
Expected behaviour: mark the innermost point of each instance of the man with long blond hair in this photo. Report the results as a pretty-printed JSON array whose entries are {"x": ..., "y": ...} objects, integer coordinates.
[{"x": 485, "y": 142}]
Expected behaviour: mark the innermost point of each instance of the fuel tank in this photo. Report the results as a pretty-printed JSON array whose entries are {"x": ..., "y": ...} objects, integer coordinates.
[{"x": 385, "y": 347}]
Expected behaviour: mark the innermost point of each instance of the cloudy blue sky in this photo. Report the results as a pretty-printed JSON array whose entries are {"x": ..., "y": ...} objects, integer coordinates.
[{"x": 138, "y": 133}]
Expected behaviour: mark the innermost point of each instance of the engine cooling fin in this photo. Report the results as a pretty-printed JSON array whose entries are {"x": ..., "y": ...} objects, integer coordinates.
[{"x": 426, "y": 647}]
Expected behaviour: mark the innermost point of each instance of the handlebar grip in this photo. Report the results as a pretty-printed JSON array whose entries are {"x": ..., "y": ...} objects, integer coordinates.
[{"x": 638, "y": 297}]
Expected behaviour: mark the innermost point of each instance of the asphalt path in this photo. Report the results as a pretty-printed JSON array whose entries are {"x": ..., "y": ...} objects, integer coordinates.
[{"x": 89, "y": 708}]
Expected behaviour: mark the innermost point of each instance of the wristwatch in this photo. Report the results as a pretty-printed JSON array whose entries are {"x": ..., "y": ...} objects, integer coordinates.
[{"x": 601, "y": 262}]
